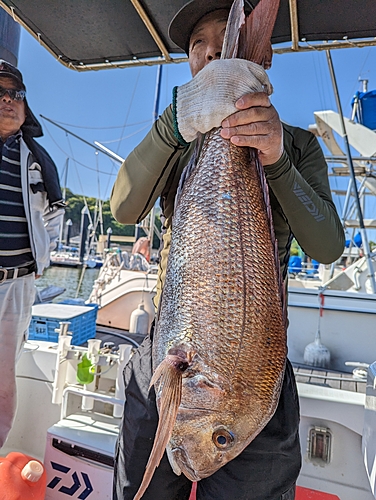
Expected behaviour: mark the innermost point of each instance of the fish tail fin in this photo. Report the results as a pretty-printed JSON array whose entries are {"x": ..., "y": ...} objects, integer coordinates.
[
  {"x": 169, "y": 374},
  {"x": 255, "y": 34}
]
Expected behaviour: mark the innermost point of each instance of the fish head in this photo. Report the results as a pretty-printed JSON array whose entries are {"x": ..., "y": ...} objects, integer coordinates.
[
  {"x": 213, "y": 424},
  {"x": 203, "y": 441}
]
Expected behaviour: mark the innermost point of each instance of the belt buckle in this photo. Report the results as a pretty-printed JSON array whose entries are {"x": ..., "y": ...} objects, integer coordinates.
[{"x": 5, "y": 271}]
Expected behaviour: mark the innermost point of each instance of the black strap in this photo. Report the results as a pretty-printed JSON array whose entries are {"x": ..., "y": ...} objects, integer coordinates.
[{"x": 6, "y": 273}]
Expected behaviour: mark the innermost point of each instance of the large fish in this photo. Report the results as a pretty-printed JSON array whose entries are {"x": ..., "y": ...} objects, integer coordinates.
[{"x": 219, "y": 348}]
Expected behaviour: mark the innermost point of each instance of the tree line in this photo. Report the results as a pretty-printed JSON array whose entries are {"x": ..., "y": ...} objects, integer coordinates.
[{"x": 75, "y": 204}]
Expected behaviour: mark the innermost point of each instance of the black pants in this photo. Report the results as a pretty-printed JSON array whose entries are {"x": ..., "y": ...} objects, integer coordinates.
[{"x": 266, "y": 470}]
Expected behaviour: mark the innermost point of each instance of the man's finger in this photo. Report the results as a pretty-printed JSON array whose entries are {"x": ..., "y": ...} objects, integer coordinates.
[
  {"x": 249, "y": 115},
  {"x": 251, "y": 129},
  {"x": 253, "y": 99}
]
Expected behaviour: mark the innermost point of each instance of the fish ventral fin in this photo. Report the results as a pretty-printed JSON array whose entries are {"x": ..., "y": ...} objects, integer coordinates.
[{"x": 169, "y": 375}]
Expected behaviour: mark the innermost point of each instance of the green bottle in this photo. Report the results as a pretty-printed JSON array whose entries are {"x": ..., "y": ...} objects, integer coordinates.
[{"x": 85, "y": 371}]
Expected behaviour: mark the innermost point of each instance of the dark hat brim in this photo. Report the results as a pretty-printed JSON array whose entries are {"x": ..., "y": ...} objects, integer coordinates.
[{"x": 187, "y": 17}]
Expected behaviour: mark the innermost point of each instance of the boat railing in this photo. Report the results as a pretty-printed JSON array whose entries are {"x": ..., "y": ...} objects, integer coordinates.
[
  {"x": 103, "y": 398},
  {"x": 113, "y": 268}
]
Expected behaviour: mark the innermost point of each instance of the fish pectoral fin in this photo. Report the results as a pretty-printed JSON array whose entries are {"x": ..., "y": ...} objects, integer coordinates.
[{"x": 169, "y": 374}]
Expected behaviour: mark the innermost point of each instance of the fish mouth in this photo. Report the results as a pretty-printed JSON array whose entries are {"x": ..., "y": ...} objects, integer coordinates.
[{"x": 180, "y": 462}]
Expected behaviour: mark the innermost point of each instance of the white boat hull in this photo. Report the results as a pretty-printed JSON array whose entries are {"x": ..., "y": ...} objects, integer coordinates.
[
  {"x": 120, "y": 293},
  {"x": 347, "y": 325}
]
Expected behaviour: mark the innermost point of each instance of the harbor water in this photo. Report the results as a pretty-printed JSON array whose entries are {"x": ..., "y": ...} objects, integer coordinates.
[{"x": 77, "y": 282}]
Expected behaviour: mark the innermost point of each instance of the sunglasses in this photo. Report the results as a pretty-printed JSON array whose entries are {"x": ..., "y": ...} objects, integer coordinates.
[{"x": 14, "y": 94}]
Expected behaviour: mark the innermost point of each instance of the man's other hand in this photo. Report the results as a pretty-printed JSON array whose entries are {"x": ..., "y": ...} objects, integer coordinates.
[{"x": 256, "y": 125}]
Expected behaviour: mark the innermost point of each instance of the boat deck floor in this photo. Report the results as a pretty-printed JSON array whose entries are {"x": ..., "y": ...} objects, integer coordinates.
[{"x": 334, "y": 379}]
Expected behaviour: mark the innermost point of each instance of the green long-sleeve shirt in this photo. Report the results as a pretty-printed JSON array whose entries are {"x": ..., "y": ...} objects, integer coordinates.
[{"x": 300, "y": 196}]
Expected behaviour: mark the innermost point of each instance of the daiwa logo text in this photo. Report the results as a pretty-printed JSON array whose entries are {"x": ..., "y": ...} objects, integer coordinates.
[{"x": 75, "y": 489}]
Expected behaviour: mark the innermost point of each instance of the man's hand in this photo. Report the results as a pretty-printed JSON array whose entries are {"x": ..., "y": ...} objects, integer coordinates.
[
  {"x": 210, "y": 96},
  {"x": 256, "y": 125}
]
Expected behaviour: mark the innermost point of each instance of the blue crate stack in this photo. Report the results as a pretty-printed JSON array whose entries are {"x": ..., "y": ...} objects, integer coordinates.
[{"x": 46, "y": 319}]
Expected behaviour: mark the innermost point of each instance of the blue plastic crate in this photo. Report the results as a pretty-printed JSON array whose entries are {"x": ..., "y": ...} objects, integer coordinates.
[{"x": 46, "y": 319}]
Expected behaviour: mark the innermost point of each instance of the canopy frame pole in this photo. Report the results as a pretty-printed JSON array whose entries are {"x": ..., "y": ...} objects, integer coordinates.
[
  {"x": 156, "y": 37},
  {"x": 294, "y": 24},
  {"x": 363, "y": 231}
]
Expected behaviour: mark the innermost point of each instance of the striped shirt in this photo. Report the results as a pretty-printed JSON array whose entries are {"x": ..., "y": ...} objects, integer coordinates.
[{"x": 15, "y": 248}]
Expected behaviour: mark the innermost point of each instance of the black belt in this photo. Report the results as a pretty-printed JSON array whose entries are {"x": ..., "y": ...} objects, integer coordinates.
[{"x": 16, "y": 272}]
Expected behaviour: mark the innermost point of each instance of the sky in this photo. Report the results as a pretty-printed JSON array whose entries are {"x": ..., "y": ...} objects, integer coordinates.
[{"x": 115, "y": 107}]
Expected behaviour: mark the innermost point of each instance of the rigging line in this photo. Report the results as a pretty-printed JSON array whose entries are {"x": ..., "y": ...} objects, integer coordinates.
[
  {"x": 108, "y": 181},
  {"x": 323, "y": 94},
  {"x": 108, "y": 152},
  {"x": 71, "y": 158},
  {"x": 127, "y": 136},
  {"x": 130, "y": 104},
  {"x": 102, "y": 128},
  {"x": 79, "y": 181},
  {"x": 360, "y": 72}
]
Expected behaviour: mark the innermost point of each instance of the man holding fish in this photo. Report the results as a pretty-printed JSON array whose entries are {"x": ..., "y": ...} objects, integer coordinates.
[{"x": 254, "y": 386}]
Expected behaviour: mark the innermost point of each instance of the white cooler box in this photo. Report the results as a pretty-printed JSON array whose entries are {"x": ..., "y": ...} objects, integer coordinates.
[{"x": 79, "y": 458}]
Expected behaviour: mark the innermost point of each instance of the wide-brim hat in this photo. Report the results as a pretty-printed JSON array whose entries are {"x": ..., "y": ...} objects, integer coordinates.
[
  {"x": 187, "y": 17},
  {"x": 31, "y": 125}
]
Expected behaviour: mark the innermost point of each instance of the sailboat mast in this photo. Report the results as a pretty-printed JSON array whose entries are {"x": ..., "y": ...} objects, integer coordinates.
[
  {"x": 157, "y": 93},
  {"x": 155, "y": 117},
  {"x": 363, "y": 231},
  {"x": 64, "y": 197}
]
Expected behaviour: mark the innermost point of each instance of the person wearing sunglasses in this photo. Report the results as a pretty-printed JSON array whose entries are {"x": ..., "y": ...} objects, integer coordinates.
[{"x": 31, "y": 212}]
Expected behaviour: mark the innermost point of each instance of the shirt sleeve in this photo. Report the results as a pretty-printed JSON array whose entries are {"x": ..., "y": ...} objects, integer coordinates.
[
  {"x": 144, "y": 173},
  {"x": 303, "y": 192}
]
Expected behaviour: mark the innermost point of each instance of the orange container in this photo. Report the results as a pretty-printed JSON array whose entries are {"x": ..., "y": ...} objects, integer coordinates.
[{"x": 21, "y": 478}]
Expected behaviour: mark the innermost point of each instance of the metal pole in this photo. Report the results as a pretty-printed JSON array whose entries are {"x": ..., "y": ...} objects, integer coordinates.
[
  {"x": 84, "y": 230},
  {"x": 363, "y": 231},
  {"x": 104, "y": 150},
  {"x": 68, "y": 227},
  {"x": 155, "y": 117},
  {"x": 157, "y": 93},
  {"x": 64, "y": 196},
  {"x": 109, "y": 232}
]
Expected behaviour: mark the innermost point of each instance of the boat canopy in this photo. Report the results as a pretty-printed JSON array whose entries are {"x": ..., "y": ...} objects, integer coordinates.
[{"x": 99, "y": 34}]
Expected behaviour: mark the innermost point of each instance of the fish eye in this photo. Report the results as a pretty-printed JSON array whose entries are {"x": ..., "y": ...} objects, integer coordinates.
[{"x": 223, "y": 439}]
